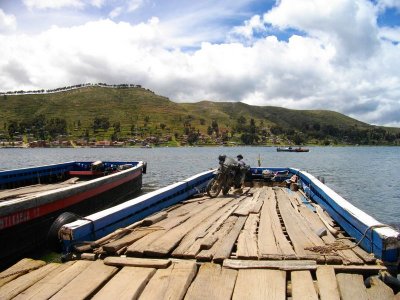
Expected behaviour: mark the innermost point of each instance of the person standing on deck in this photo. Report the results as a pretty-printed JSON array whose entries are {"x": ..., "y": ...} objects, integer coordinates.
[{"x": 241, "y": 173}]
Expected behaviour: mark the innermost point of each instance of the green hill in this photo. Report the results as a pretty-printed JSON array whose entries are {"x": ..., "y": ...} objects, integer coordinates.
[{"x": 135, "y": 112}]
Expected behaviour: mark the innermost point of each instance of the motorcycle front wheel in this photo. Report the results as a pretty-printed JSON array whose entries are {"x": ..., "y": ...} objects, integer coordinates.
[{"x": 213, "y": 188}]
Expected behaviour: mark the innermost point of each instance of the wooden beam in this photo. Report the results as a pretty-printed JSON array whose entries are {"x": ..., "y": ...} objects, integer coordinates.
[
  {"x": 170, "y": 283},
  {"x": 212, "y": 282},
  {"x": 191, "y": 237},
  {"x": 127, "y": 284},
  {"x": 286, "y": 265},
  {"x": 248, "y": 204},
  {"x": 206, "y": 239},
  {"x": 20, "y": 284},
  {"x": 50, "y": 287},
  {"x": 351, "y": 286},
  {"x": 34, "y": 292},
  {"x": 327, "y": 284},
  {"x": 207, "y": 255},
  {"x": 128, "y": 239},
  {"x": 225, "y": 248},
  {"x": 87, "y": 282},
  {"x": 170, "y": 239},
  {"x": 379, "y": 290},
  {"x": 137, "y": 262},
  {"x": 302, "y": 286},
  {"x": 260, "y": 284},
  {"x": 22, "y": 267},
  {"x": 247, "y": 242}
]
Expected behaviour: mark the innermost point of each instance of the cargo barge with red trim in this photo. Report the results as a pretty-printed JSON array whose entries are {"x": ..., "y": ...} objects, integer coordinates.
[{"x": 35, "y": 200}]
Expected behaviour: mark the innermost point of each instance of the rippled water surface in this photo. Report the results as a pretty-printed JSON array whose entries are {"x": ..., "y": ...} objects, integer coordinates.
[{"x": 368, "y": 177}]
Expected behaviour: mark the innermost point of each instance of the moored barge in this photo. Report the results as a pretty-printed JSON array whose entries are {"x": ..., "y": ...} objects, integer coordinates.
[
  {"x": 279, "y": 239},
  {"x": 31, "y": 199}
]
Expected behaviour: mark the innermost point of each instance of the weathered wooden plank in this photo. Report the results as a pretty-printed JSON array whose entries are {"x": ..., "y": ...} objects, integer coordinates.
[
  {"x": 128, "y": 239},
  {"x": 155, "y": 218},
  {"x": 315, "y": 223},
  {"x": 22, "y": 267},
  {"x": 379, "y": 290},
  {"x": 212, "y": 282},
  {"x": 247, "y": 241},
  {"x": 287, "y": 265},
  {"x": 368, "y": 258},
  {"x": 282, "y": 242},
  {"x": 259, "y": 202},
  {"x": 300, "y": 234},
  {"x": 269, "y": 231},
  {"x": 170, "y": 283},
  {"x": 87, "y": 282},
  {"x": 137, "y": 262},
  {"x": 20, "y": 284},
  {"x": 230, "y": 208},
  {"x": 129, "y": 283},
  {"x": 326, "y": 221},
  {"x": 260, "y": 284},
  {"x": 325, "y": 217},
  {"x": 48, "y": 288},
  {"x": 327, "y": 284},
  {"x": 224, "y": 249},
  {"x": 191, "y": 237},
  {"x": 139, "y": 246},
  {"x": 207, "y": 238},
  {"x": 34, "y": 290},
  {"x": 207, "y": 255},
  {"x": 351, "y": 286},
  {"x": 165, "y": 243},
  {"x": 247, "y": 205},
  {"x": 175, "y": 217},
  {"x": 302, "y": 286}
]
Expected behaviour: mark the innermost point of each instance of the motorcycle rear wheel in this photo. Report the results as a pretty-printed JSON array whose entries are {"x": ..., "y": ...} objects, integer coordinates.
[{"x": 213, "y": 188}]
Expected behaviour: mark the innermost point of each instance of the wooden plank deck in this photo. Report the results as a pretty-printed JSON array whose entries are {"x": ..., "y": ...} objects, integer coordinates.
[{"x": 263, "y": 245}]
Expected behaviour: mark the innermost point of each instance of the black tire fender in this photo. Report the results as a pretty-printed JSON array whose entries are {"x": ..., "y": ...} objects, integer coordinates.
[{"x": 53, "y": 240}]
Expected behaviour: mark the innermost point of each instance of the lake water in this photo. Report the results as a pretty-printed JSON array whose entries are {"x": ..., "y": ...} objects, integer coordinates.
[{"x": 368, "y": 177}]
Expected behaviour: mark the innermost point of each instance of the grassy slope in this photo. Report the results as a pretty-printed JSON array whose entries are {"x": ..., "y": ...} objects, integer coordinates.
[{"x": 130, "y": 106}]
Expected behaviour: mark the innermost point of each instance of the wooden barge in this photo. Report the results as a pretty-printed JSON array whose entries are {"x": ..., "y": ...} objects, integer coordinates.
[
  {"x": 271, "y": 242},
  {"x": 291, "y": 149},
  {"x": 31, "y": 199}
]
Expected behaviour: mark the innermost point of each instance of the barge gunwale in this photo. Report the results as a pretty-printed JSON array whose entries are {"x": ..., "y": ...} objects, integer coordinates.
[{"x": 25, "y": 222}]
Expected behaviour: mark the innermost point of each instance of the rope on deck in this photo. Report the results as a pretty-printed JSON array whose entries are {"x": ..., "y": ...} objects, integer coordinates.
[{"x": 339, "y": 245}]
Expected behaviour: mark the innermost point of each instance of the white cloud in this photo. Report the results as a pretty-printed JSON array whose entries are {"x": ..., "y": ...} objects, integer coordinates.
[
  {"x": 383, "y": 4},
  {"x": 246, "y": 32},
  {"x": 97, "y": 3},
  {"x": 348, "y": 25},
  {"x": 7, "y": 22},
  {"x": 52, "y": 4},
  {"x": 116, "y": 12},
  {"x": 351, "y": 68},
  {"x": 390, "y": 33},
  {"x": 134, "y": 4}
]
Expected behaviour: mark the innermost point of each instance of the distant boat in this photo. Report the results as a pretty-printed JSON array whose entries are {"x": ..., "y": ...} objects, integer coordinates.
[{"x": 291, "y": 149}]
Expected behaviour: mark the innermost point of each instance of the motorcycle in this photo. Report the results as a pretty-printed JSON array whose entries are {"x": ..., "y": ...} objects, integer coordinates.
[{"x": 227, "y": 176}]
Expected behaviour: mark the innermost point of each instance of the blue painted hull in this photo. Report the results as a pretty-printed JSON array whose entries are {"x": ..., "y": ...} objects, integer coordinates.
[{"x": 375, "y": 237}]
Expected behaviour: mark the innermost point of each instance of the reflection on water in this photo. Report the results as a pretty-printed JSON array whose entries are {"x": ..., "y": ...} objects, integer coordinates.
[{"x": 367, "y": 177}]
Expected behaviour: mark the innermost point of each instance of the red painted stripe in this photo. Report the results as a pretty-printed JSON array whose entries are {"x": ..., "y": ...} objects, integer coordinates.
[{"x": 36, "y": 212}]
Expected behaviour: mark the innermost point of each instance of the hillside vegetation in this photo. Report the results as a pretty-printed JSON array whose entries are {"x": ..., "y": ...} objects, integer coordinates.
[{"x": 136, "y": 115}]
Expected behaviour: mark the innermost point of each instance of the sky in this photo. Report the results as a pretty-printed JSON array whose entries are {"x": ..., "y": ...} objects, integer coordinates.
[{"x": 340, "y": 55}]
